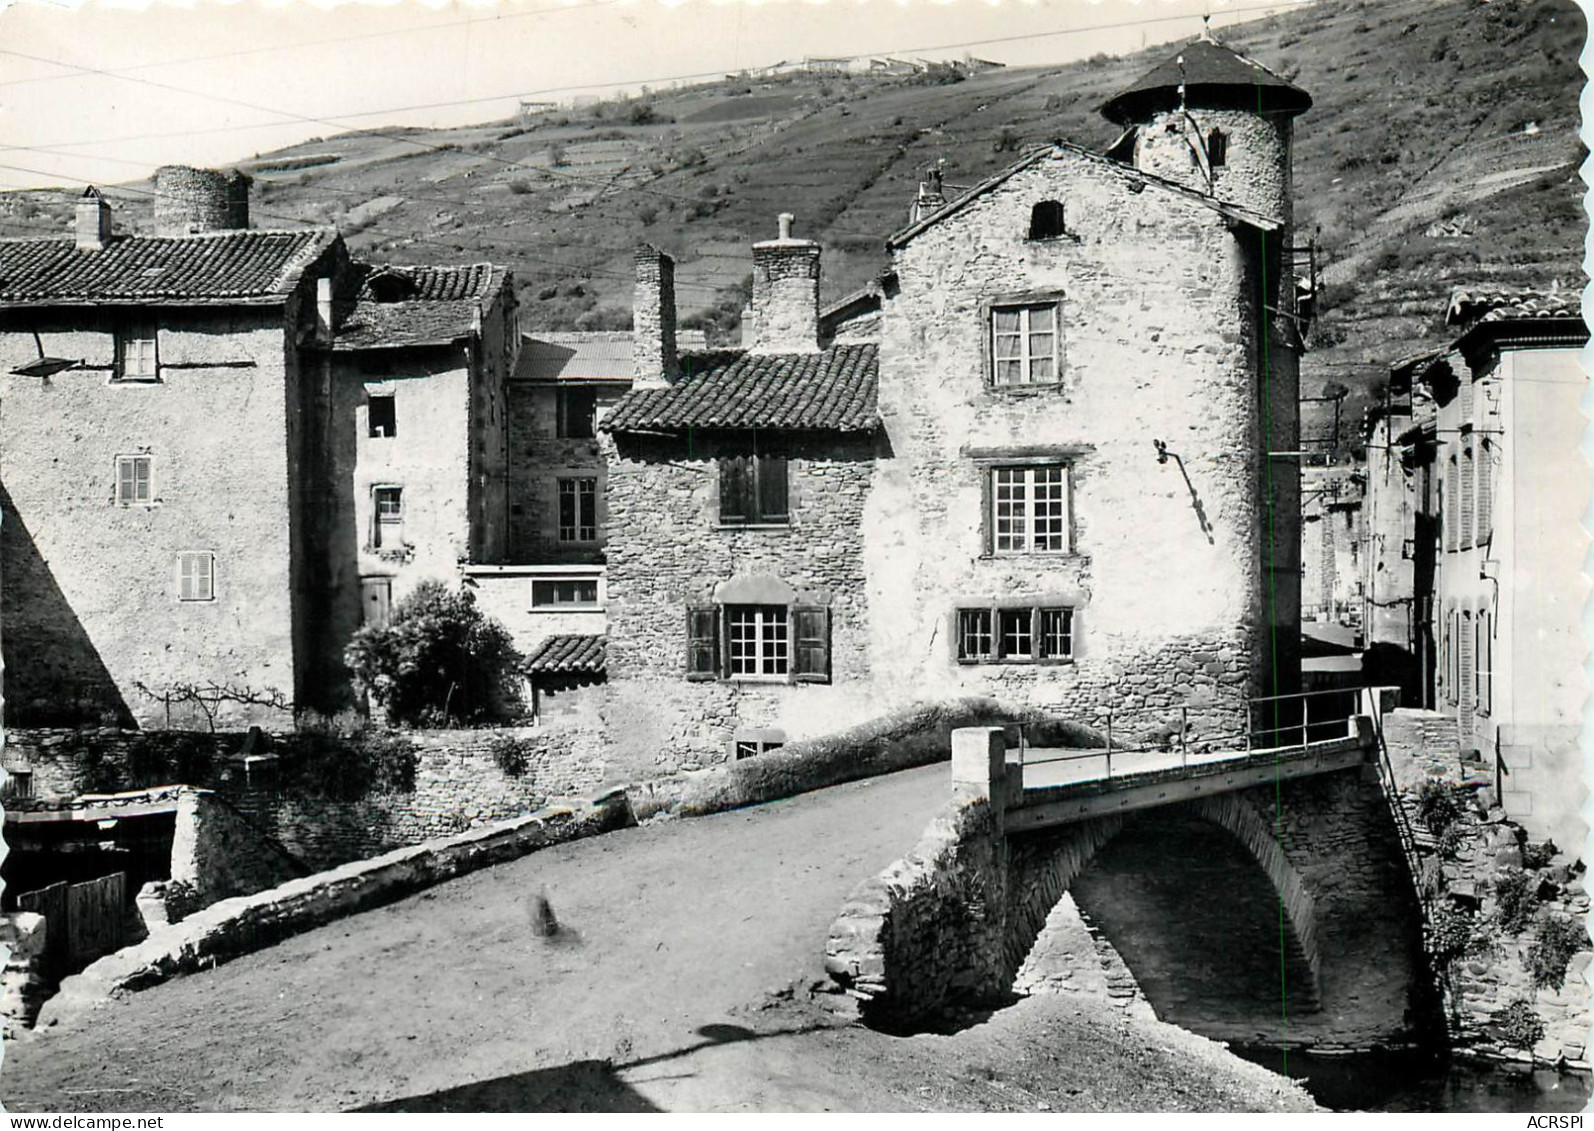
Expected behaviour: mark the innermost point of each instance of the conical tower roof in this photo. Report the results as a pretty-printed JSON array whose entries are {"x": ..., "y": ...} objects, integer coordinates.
[{"x": 1213, "y": 75}]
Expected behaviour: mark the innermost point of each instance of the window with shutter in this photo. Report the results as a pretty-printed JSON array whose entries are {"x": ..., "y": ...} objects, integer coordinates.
[
  {"x": 136, "y": 355},
  {"x": 754, "y": 491},
  {"x": 1483, "y": 521},
  {"x": 702, "y": 642},
  {"x": 134, "y": 480},
  {"x": 196, "y": 576},
  {"x": 1452, "y": 509},
  {"x": 811, "y": 636},
  {"x": 1468, "y": 499}
]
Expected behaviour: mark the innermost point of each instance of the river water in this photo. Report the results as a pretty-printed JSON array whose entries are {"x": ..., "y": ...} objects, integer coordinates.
[{"x": 1412, "y": 1082}]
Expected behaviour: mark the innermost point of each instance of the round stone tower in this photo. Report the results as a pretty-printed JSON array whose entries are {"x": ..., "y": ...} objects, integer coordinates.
[
  {"x": 188, "y": 201},
  {"x": 1216, "y": 121}
]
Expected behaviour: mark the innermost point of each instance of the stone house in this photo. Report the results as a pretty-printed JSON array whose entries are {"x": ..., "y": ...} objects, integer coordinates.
[
  {"x": 1499, "y": 477},
  {"x": 1332, "y": 543},
  {"x": 1063, "y": 478},
  {"x": 222, "y": 448}
]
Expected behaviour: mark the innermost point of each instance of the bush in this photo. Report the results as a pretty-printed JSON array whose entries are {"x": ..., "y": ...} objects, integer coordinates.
[
  {"x": 1556, "y": 939},
  {"x": 1437, "y": 805},
  {"x": 510, "y": 754},
  {"x": 520, "y": 186},
  {"x": 1516, "y": 898},
  {"x": 1536, "y": 856},
  {"x": 1518, "y": 1026},
  {"x": 439, "y": 660},
  {"x": 348, "y": 766},
  {"x": 1456, "y": 934}
]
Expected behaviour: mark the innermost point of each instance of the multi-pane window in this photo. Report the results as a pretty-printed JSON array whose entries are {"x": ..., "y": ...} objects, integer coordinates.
[
  {"x": 388, "y": 503},
  {"x": 134, "y": 480},
  {"x": 135, "y": 347},
  {"x": 758, "y": 640},
  {"x": 561, "y": 593},
  {"x": 1024, "y": 346},
  {"x": 1015, "y": 635},
  {"x": 766, "y": 641},
  {"x": 196, "y": 576},
  {"x": 1029, "y": 509},
  {"x": 383, "y": 416},
  {"x": 578, "y": 510},
  {"x": 754, "y": 491},
  {"x": 578, "y": 407}
]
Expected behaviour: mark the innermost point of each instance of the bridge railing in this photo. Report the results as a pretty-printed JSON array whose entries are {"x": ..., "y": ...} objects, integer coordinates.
[{"x": 1135, "y": 737}]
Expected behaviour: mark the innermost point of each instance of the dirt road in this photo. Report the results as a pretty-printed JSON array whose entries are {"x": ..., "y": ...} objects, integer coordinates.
[{"x": 654, "y": 996}]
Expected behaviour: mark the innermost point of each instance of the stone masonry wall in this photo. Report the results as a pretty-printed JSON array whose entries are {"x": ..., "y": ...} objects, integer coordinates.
[
  {"x": 929, "y": 929},
  {"x": 1159, "y": 342},
  {"x": 668, "y": 551},
  {"x": 458, "y": 783},
  {"x": 217, "y": 854},
  {"x": 90, "y": 602},
  {"x": 538, "y": 459}
]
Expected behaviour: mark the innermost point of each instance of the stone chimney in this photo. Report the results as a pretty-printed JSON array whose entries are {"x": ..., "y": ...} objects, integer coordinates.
[
  {"x": 323, "y": 311},
  {"x": 93, "y": 220},
  {"x": 655, "y": 364},
  {"x": 188, "y": 201},
  {"x": 785, "y": 293},
  {"x": 931, "y": 197}
]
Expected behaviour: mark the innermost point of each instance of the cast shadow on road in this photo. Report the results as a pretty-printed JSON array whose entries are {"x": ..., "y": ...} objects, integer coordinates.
[{"x": 580, "y": 1086}]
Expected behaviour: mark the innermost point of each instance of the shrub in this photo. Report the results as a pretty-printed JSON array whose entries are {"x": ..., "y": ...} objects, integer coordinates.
[
  {"x": 1456, "y": 934},
  {"x": 1556, "y": 938},
  {"x": 1516, "y": 898},
  {"x": 1518, "y": 1026},
  {"x": 1437, "y": 805},
  {"x": 520, "y": 186},
  {"x": 439, "y": 660},
  {"x": 1536, "y": 856},
  {"x": 348, "y": 767},
  {"x": 510, "y": 754}
]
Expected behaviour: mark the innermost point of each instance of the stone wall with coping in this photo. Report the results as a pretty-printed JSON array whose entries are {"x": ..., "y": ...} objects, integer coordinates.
[
  {"x": 217, "y": 854},
  {"x": 239, "y": 926},
  {"x": 458, "y": 782}
]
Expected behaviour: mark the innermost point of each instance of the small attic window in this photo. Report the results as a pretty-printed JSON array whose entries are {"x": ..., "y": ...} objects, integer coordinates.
[
  {"x": 389, "y": 286},
  {"x": 1217, "y": 148},
  {"x": 1046, "y": 220}
]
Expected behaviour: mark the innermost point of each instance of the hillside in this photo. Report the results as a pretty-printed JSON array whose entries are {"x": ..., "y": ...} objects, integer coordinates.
[{"x": 1442, "y": 149}]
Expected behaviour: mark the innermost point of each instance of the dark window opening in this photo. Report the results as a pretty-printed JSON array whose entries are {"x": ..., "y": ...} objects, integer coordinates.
[
  {"x": 383, "y": 423},
  {"x": 1217, "y": 148},
  {"x": 753, "y": 490},
  {"x": 1046, "y": 220},
  {"x": 578, "y": 408}
]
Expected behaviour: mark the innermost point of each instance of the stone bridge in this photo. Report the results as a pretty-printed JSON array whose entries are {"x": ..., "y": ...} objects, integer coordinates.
[{"x": 1258, "y": 896}]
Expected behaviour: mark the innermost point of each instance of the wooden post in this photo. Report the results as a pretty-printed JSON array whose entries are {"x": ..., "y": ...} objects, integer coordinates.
[
  {"x": 1184, "y": 727},
  {"x": 1306, "y": 714},
  {"x": 1109, "y": 744}
]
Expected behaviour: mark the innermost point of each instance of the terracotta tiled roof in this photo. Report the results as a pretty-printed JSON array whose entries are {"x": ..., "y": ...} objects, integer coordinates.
[
  {"x": 832, "y": 391},
  {"x": 214, "y": 267},
  {"x": 1209, "y": 72},
  {"x": 569, "y": 654},
  {"x": 595, "y": 355},
  {"x": 415, "y": 306},
  {"x": 1468, "y": 307}
]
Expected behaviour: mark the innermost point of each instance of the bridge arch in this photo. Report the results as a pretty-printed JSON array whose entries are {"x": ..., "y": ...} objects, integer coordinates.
[{"x": 1043, "y": 866}]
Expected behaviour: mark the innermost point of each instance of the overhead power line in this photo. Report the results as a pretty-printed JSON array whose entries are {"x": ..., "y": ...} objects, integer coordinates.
[{"x": 621, "y": 82}]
